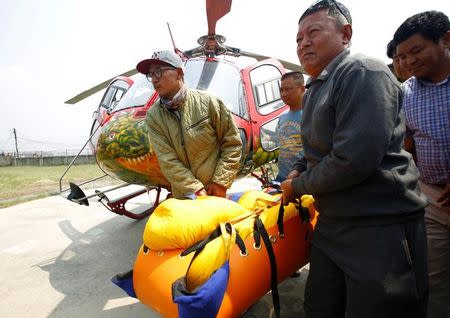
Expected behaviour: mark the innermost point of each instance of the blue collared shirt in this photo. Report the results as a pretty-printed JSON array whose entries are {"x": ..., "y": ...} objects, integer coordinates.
[{"x": 427, "y": 111}]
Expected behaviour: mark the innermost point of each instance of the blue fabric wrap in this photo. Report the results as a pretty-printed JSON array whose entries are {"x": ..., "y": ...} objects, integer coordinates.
[
  {"x": 126, "y": 283},
  {"x": 206, "y": 300},
  {"x": 235, "y": 196}
]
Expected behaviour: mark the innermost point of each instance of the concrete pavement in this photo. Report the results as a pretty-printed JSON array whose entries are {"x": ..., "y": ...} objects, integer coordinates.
[{"x": 57, "y": 259}]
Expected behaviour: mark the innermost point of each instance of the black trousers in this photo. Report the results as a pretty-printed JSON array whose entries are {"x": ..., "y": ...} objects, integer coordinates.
[{"x": 368, "y": 271}]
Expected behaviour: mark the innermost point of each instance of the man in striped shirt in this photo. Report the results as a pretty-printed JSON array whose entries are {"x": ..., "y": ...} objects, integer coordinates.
[{"x": 423, "y": 47}]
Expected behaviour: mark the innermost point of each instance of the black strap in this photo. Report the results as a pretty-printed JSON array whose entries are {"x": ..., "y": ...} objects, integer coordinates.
[
  {"x": 240, "y": 243},
  {"x": 280, "y": 222},
  {"x": 304, "y": 214},
  {"x": 273, "y": 265},
  {"x": 275, "y": 187},
  {"x": 198, "y": 248},
  {"x": 201, "y": 244},
  {"x": 256, "y": 236}
]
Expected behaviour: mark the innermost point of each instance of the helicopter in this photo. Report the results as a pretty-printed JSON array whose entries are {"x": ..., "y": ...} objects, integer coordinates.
[{"x": 247, "y": 83}]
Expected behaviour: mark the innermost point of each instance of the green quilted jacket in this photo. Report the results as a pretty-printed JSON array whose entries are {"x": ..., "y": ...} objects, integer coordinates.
[{"x": 201, "y": 146}]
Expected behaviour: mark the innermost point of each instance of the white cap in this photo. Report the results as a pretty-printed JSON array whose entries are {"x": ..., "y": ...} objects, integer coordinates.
[{"x": 165, "y": 57}]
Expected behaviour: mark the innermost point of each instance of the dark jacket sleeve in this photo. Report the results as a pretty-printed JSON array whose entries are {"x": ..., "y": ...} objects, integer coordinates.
[
  {"x": 299, "y": 165},
  {"x": 366, "y": 111}
]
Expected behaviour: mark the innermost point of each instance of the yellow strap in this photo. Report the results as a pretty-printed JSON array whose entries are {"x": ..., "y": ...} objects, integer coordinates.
[{"x": 270, "y": 203}]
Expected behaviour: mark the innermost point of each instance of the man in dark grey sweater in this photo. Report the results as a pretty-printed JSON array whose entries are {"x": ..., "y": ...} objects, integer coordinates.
[{"x": 368, "y": 255}]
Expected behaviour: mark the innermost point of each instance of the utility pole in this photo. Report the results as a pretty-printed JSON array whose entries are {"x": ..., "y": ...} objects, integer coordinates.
[{"x": 15, "y": 139}]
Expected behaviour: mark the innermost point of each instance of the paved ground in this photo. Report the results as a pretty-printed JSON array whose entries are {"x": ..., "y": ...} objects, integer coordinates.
[{"x": 57, "y": 259}]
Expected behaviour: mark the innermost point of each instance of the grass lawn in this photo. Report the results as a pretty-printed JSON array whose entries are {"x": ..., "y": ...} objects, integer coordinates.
[{"x": 26, "y": 183}]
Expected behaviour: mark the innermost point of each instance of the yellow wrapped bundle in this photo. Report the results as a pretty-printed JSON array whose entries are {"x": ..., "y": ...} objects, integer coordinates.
[
  {"x": 216, "y": 253},
  {"x": 212, "y": 257},
  {"x": 179, "y": 224}
]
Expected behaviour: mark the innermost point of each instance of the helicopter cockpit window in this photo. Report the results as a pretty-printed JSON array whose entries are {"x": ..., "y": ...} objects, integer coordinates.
[
  {"x": 268, "y": 135},
  {"x": 137, "y": 95},
  {"x": 220, "y": 79},
  {"x": 113, "y": 94},
  {"x": 266, "y": 87}
]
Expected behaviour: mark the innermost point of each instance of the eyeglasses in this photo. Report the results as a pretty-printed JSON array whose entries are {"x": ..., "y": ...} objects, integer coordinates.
[
  {"x": 338, "y": 6},
  {"x": 340, "y": 10},
  {"x": 157, "y": 73}
]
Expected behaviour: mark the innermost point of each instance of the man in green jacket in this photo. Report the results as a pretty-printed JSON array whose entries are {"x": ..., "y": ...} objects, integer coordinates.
[{"x": 194, "y": 136}]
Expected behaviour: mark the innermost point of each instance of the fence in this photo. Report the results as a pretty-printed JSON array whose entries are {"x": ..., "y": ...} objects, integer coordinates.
[{"x": 6, "y": 161}]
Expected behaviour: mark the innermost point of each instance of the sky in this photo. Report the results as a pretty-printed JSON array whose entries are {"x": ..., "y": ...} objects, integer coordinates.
[{"x": 51, "y": 50}]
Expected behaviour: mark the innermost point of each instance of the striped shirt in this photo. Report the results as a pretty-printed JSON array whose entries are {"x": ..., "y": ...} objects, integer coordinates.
[{"x": 427, "y": 111}]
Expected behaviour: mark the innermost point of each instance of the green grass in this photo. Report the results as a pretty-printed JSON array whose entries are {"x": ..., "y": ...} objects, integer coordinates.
[{"x": 26, "y": 183}]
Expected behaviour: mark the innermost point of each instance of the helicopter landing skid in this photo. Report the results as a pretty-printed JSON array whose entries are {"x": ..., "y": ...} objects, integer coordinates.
[{"x": 118, "y": 205}]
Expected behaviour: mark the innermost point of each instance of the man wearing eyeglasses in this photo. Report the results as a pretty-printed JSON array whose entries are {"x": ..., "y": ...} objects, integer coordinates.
[
  {"x": 193, "y": 134},
  {"x": 368, "y": 253}
]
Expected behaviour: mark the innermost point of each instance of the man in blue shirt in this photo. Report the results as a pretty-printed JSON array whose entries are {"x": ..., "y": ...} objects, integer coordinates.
[
  {"x": 288, "y": 127},
  {"x": 423, "y": 46}
]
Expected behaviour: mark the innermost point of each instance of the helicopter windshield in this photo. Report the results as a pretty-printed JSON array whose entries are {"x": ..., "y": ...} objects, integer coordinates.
[
  {"x": 137, "y": 95},
  {"x": 220, "y": 79}
]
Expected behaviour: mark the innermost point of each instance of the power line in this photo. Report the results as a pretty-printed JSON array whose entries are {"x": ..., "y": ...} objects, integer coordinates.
[
  {"x": 47, "y": 143},
  {"x": 3, "y": 143},
  {"x": 31, "y": 144}
]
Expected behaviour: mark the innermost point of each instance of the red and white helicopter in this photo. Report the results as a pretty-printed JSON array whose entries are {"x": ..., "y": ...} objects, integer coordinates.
[{"x": 248, "y": 83}]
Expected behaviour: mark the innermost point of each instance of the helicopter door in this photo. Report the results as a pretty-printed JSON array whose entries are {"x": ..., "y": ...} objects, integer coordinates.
[{"x": 265, "y": 102}]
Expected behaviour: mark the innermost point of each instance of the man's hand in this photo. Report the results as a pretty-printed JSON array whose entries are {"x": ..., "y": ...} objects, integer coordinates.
[
  {"x": 293, "y": 174},
  {"x": 288, "y": 192},
  {"x": 202, "y": 192},
  {"x": 216, "y": 190},
  {"x": 445, "y": 196}
]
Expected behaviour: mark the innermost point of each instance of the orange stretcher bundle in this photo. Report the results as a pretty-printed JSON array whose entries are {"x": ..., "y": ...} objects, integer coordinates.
[{"x": 250, "y": 267}]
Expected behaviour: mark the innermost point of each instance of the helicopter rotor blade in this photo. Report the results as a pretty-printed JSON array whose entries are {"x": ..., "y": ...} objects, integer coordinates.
[
  {"x": 292, "y": 66},
  {"x": 97, "y": 88},
  {"x": 286, "y": 64},
  {"x": 258, "y": 57},
  {"x": 215, "y": 9}
]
